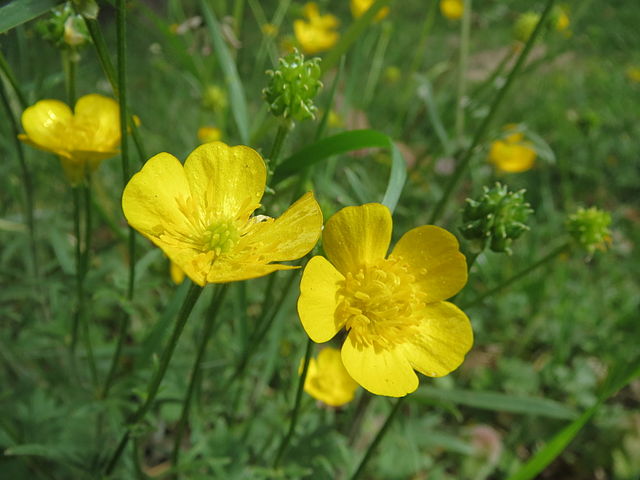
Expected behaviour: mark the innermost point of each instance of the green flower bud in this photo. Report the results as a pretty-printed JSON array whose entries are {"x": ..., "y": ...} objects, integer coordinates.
[
  {"x": 292, "y": 87},
  {"x": 589, "y": 228},
  {"x": 524, "y": 26},
  {"x": 497, "y": 217},
  {"x": 64, "y": 28}
]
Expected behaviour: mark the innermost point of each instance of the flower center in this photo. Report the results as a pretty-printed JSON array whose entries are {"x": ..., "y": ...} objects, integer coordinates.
[
  {"x": 220, "y": 237},
  {"x": 379, "y": 303}
]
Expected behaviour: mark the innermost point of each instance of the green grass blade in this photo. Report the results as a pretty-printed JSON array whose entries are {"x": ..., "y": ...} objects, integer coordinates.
[
  {"x": 238, "y": 102},
  {"x": 20, "y": 11},
  {"x": 352, "y": 34},
  {"x": 499, "y": 402},
  {"x": 347, "y": 142}
]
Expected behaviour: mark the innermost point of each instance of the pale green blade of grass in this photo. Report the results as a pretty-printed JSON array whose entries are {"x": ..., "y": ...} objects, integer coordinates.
[
  {"x": 20, "y": 11},
  {"x": 348, "y": 142},
  {"x": 238, "y": 101}
]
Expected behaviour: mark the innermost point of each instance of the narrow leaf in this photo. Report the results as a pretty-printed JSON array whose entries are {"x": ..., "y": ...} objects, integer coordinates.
[{"x": 18, "y": 12}]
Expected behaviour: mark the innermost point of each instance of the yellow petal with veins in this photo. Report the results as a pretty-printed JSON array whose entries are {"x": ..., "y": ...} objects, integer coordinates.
[{"x": 357, "y": 236}]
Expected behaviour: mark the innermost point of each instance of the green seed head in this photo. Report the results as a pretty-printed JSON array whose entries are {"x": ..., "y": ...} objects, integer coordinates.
[
  {"x": 64, "y": 28},
  {"x": 589, "y": 228},
  {"x": 293, "y": 86},
  {"x": 496, "y": 218}
]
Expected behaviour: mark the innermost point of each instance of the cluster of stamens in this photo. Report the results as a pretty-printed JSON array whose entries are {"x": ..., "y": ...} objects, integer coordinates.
[
  {"x": 220, "y": 237},
  {"x": 378, "y": 304}
]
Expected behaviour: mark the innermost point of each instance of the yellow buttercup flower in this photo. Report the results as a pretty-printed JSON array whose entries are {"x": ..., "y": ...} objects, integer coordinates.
[
  {"x": 81, "y": 139},
  {"x": 452, "y": 9},
  {"x": 512, "y": 154},
  {"x": 392, "y": 307},
  {"x": 177, "y": 275},
  {"x": 358, "y": 7},
  {"x": 200, "y": 214},
  {"x": 208, "y": 134},
  {"x": 318, "y": 32},
  {"x": 327, "y": 379}
]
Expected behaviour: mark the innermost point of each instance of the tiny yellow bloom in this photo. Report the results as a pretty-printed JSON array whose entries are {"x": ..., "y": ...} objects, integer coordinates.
[
  {"x": 318, "y": 32},
  {"x": 512, "y": 154},
  {"x": 633, "y": 74},
  {"x": 392, "y": 307},
  {"x": 327, "y": 379},
  {"x": 452, "y": 9},
  {"x": 358, "y": 7},
  {"x": 562, "y": 22},
  {"x": 200, "y": 214},
  {"x": 81, "y": 139},
  {"x": 208, "y": 134}
]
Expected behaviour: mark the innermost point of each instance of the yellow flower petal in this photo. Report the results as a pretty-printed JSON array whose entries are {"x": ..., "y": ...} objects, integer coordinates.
[
  {"x": 357, "y": 236},
  {"x": 45, "y": 124},
  {"x": 441, "y": 341},
  {"x": 432, "y": 256},
  {"x": 226, "y": 271},
  {"x": 240, "y": 169},
  {"x": 318, "y": 299},
  {"x": 327, "y": 379},
  {"x": 381, "y": 371},
  {"x": 290, "y": 236},
  {"x": 97, "y": 124}
]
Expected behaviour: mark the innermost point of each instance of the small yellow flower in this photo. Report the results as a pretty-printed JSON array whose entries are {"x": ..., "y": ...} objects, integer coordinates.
[
  {"x": 633, "y": 74},
  {"x": 512, "y": 154},
  {"x": 269, "y": 30},
  {"x": 81, "y": 139},
  {"x": 452, "y": 9},
  {"x": 208, "y": 134},
  {"x": 392, "y": 307},
  {"x": 561, "y": 19},
  {"x": 327, "y": 379},
  {"x": 358, "y": 7},
  {"x": 200, "y": 214},
  {"x": 318, "y": 33}
]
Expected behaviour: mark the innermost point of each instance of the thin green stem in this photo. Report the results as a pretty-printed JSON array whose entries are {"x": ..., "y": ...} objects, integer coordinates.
[
  {"x": 284, "y": 444},
  {"x": 152, "y": 390},
  {"x": 378, "y": 439},
  {"x": 482, "y": 129},
  {"x": 283, "y": 130},
  {"x": 210, "y": 323},
  {"x": 238, "y": 13},
  {"x": 465, "y": 28},
  {"x": 6, "y": 70},
  {"x": 78, "y": 259},
  {"x": 547, "y": 258},
  {"x": 69, "y": 67}
]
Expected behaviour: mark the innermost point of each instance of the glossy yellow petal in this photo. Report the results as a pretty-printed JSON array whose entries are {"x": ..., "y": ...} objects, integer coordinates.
[
  {"x": 442, "y": 339},
  {"x": 97, "y": 124},
  {"x": 224, "y": 271},
  {"x": 177, "y": 274},
  {"x": 512, "y": 157},
  {"x": 227, "y": 181},
  {"x": 318, "y": 299},
  {"x": 381, "y": 371},
  {"x": 288, "y": 237},
  {"x": 432, "y": 257},
  {"x": 357, "y": 236},
  {"x": 46, "y": 124},
  {"x": 327, "y": 379}
]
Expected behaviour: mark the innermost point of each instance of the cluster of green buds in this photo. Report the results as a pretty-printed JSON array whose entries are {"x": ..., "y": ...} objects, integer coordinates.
[
  {"x": 64, "y": 28},
  {"x": 589, "y": 228},
  {"x": 496, "y": 218},
  {"x": 293, "y": 86}
]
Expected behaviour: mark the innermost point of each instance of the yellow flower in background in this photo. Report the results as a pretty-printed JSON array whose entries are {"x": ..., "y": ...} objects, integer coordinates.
[
  {"x": 81, "y": 139},
  {"x": 358, "y": 7},
  {"x": 327, "y": 379},
  {"x": 318, "y": 32},
  {"x": 512, "y": 154},
  {"x": 392, "y": 307},
  {"x": 452, "y": 9},
  {"x": 633, "y": 74},
  {"x": 208, "y": 134},
  {"x": 200, "y": 214},
  {"x": 561, "y": 19}
]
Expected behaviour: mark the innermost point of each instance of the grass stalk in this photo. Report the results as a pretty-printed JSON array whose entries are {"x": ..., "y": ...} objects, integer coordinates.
[
  {"x": 467, "y": 154},
  {"x": 465, "y": 28},
  {"x": 286, "y": 440},
  {"x": 152, "y": 390},
  {"x": 210, "y": 323},
  {"x": 378, "y": 438}
]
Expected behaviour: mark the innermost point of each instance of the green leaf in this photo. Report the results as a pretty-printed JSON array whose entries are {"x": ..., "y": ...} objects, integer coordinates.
[
  {"x": 352, "y": 34},
  {"x": 498, "y": 402},
  {"x": 348, "y": 142},
  {"x": 35, "y": 450},
  {"x": 234, "y": 84},
  {"x": 20, "y": 11}
]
